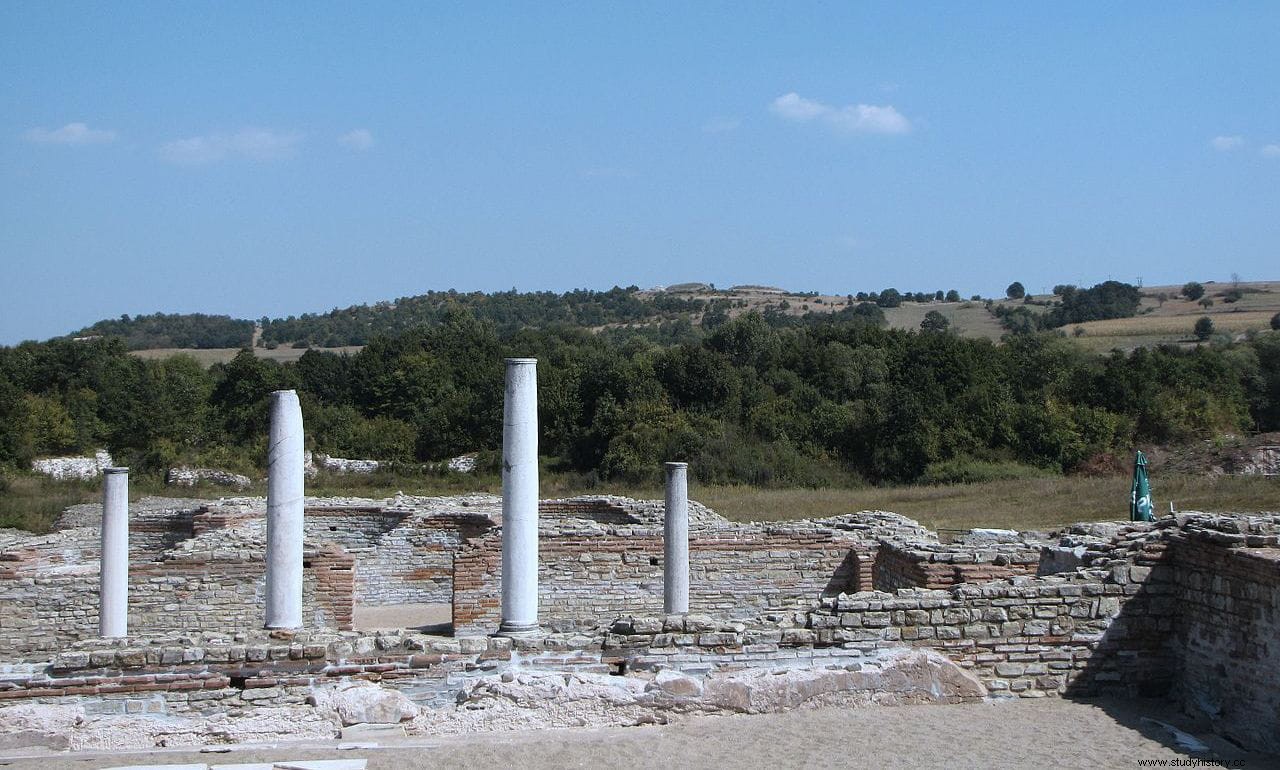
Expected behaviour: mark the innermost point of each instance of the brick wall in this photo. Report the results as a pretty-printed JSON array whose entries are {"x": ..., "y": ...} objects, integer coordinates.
[
  {"x": 594, "y": 573},
  {"x": 933, "y": 565},
  {"x": 43, "y": 612},
  {"x": 1228, "y": 635}
]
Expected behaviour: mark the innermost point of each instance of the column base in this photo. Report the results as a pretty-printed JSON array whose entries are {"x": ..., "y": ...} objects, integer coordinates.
[{"x": 511, "y": 628}]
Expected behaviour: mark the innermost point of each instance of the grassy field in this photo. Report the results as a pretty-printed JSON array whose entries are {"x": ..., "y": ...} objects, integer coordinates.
[
  {"x": 33, "y": 503},
  {"x": 968, "y": 319},
  {"x": 210, "y": 356},
  {"x": 1036, "y": 504}
]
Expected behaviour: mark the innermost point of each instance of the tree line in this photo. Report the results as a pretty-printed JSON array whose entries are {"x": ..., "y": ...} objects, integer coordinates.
[{"x": 767, "y": 399}]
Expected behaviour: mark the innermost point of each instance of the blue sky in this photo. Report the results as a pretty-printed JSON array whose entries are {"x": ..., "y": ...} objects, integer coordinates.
[{"x": 272, "y": 159}]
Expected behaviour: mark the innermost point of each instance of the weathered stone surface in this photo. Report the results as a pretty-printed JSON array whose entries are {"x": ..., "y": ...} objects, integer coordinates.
[
  {"x": 1055, "y": 559},
  {"x": 73, "y": 468},
  {"x": 189, "y": 477},
  {"x": 31, "y": 725},
  {"x": 344, "y": 465},
  {"x": 364, "y": 703}
]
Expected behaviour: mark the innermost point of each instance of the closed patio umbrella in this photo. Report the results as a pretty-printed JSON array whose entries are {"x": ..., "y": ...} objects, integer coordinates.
[{"x": 1140, "y": 506}]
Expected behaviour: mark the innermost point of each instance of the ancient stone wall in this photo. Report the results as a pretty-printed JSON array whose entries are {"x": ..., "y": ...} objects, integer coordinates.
[
  {"x": 592, "y": 572},
  {"x": 1228, "y": 633},
  {"x": 924, "y": 564},
  {"x": 200, "y": 591}
]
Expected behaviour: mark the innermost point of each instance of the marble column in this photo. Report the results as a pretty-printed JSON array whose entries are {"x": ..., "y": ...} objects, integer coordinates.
[
  {"x": 675, "y": 573},
  {"x": 113, "y": 610},
  {"x": 284, "y": 512},
  {"x": 520, "y": 499}
]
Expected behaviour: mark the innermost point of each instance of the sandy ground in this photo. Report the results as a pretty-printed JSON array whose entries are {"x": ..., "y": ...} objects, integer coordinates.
[
  {"x": 1048, "y": 733},
  {"x": 428, "y": 617}
]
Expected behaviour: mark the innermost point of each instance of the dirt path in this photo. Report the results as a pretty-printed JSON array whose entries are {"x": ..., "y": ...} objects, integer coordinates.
[{"x": 1048, "y": 733}]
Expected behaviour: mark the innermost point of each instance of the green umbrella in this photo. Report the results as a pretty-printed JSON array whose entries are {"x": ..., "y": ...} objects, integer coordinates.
[{"x": 1140, "y": 506}]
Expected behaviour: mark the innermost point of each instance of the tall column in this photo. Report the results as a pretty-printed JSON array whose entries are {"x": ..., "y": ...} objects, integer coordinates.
[
  {"x": 520, "y": 498},
  {"x": 113, "y": 608},
  {"x": 675, "y": 541},
  {"x": 284, "y": 512}
]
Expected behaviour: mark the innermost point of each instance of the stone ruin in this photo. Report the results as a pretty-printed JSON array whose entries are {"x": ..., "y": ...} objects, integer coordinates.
[
  {"x": 862, "y": 608},
  {"x": 73, "y": 468}
]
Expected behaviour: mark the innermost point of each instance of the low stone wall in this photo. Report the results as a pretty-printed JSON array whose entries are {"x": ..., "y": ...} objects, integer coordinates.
[
  {"x": 925, "y": 564},
  {"x": 189, "y": 477},
  {"x": 598, "y": 571},
  {"x": 197, "y": 592},
  {"x": 73, "y": 468}
]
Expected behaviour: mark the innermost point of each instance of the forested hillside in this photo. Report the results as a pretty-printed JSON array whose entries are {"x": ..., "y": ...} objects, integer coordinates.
[
  {"x": 174, "y": 330},
  {"x": 770, "y": 400}
]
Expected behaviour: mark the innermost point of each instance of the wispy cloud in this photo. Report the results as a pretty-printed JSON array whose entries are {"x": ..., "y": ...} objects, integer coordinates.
[
  {"x": 359, "y": 139},
  {"x": 721, "y": 125},
  {"x": 851, "y": 118},
  {"x": 259, "y": 144},
  {"x": 1271, "y": 151},
  {"x": 1225, "y": 143},
  {"x": 72, "y": 133}
]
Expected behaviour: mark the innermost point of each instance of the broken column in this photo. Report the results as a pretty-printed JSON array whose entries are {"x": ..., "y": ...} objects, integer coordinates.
[
  {"x": 520, "y": 498},
  {"x": 675, "y": 573},
  {"x": 113, "y": 608},
  {"x": 284, "y": 512}
]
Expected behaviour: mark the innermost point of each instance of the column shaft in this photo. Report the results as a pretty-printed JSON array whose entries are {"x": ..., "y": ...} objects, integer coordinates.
[
  {"x": 520, "y": 498},
  {"x": 113, "y": 609},
  {"x": 675, "y": 573},
  {"x": 284, "y": 512}
]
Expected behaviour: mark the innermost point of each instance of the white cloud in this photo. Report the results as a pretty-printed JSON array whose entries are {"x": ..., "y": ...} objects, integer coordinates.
[
  {"x": 721, "y": 125},
  {"x": 793, "y": 106},
  {"x": 1225, "y": 143},
  {"x": 359, "y": 139},
  {"x": 852, "y": 118},
  {"x": 1271, "y": 151},
  {"x": 72, "y": 133},
  {"x": 253, "y": 143}
]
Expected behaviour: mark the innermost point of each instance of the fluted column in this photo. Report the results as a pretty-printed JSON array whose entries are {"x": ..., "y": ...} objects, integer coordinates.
[
  {"x": 284, "y": 512},
  {"x": 520, "y": 498}
]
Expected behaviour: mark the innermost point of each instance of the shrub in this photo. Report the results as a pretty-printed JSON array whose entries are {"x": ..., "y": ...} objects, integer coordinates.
[
  {"x": 1204, "y": 328},
  {"x": 1275, "y": 322}
]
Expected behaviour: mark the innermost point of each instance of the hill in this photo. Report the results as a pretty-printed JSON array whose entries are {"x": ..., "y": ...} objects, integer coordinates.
[{"x": 683, "y": 311}]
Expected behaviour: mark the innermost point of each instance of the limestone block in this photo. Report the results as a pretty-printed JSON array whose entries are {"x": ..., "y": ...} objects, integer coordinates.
[{"x": 364, "y": 703}]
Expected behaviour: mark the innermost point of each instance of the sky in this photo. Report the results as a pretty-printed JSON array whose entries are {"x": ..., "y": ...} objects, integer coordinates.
[{"x": 258, "y": 159}]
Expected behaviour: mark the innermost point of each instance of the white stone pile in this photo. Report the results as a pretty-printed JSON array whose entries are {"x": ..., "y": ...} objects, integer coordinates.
[{"x": 74, "y": 468}]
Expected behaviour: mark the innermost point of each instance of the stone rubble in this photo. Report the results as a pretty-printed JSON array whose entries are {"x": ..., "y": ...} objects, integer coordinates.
[{"x": 73, "y": 468}]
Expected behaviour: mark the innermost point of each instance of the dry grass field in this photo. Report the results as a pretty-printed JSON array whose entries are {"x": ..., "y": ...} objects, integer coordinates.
[
  {"x": 968, "y": 319},
  {"x": 210, "y": 356},
  {"x": 1040, "y": 503},
  {"x": 1033, "y": 504}
]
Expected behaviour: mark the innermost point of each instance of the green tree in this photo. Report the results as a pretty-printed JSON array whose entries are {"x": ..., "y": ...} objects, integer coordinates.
[
  {"x": 889, "y": 298},
  {"x": 43, "y": 428},
  {"x": 1015, "y": 291},
  {"x": 1275, "y": 322},
  {"x": 953, "y": 296},
  {"x": 934, "y": 322},
  {"x": 1204, "y": 328},
  {"x": 1192, "y": 290}
]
